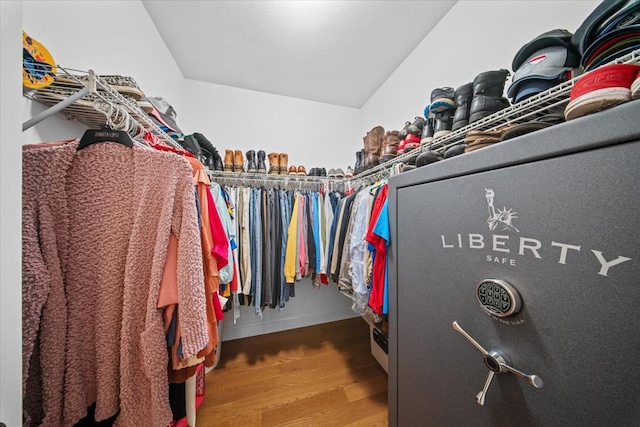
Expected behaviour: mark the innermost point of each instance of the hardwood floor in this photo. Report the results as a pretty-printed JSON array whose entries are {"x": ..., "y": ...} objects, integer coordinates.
[{"x": 321, "y": 375}]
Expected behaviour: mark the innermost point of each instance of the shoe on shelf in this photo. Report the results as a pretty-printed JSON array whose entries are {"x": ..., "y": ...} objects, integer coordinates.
[
  {"x": 463, "y": 96},
  {"x": 373, "y": 146},
  {"x": 603, "y": 88},
  {"x": 359, "y": 166},
  {"x": 332, "y": 173},
  {"x": 283, "y": 161},
  {"x": 262, "y": 167},
  {"x": 293, "y": 170},
  {"x": 402, "y": 134},
  {"x": 488, "y": 88},
  {"x": 302, "y": 170},
  {"x": 427, "y": 131},
  {"x": 427, "y": 157},
  {"x": 389, "y": 145},
  {"x": 251, "y": 162},
  {"x": 455, "y": 150},
  {"x": 411, "y": 142},
  {"x": 442, "y": 124},
  {"x": 238, "y": 161},
  {"x": 228, "y": 161},
  {"x": 323, "y": 172},
  {"x": 635, "y": 87},
  {"x": 339, "y": 173},
  {"x": 349, "y": 172},
  {"x": 274, "y": 169},
  {"x": 415, "y": 128},
  {"x": 442, "y": 99}
]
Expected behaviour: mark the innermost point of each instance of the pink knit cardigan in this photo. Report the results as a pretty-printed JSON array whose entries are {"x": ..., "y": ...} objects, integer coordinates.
[{"x": 96, "y": 228}]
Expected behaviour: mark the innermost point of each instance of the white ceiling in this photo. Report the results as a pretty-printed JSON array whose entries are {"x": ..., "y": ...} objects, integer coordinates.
[{"x": 336, "y": 52}]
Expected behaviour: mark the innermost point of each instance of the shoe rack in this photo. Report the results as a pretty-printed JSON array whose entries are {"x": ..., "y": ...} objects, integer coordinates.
[
  {"x": 528, "y": 109},
  {"x": 84, "y": 101}
]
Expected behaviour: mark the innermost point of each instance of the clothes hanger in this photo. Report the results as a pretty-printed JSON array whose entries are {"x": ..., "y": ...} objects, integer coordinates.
[{"x": 109, "y": 132}]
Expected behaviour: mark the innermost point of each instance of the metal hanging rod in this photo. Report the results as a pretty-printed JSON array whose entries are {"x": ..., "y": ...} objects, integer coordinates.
[{"x": 293, "y": 182}]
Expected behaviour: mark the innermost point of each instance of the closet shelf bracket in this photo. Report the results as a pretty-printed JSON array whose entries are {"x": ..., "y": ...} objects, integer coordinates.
[{"x": 90, "y": 88}]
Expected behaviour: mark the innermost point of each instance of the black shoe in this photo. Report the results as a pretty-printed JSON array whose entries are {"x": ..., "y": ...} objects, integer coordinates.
[
  {"x": 262, "y": 166},
  {"x": 251, "y": 161},
  {"x": 427, "y": 132},
  {"x": 217, "y": 163},
  {"x": 190, "y": 143},
  {"x": 464, "y": 95},
  {"x": 488, "y": 88},
  {"x": 443, "y": 123},
  {"x": 323, "y": 172},
  {"x": 442, "y": 99},
  {"x": 416, "y": 127},
  {"x": 359, "y": 167},
  {"x": 455, "y": 150},
  {"x": 427, "y": 157},
  {"x": 403, "y": 133}
]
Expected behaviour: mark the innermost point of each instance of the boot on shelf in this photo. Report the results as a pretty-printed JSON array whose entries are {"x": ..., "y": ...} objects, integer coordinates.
[
  {"x": 373, "y": 146},
  {"x": 262, "y": 167},
  {"x": 228, "y": 161},
  {"x": 390, "y": 145},
  {"x": 359, "y": 166},
  {"x": 442, "y": 124},
  {"x": 238, "y": 161},
  {"x": 488, "y": 88},
  {"x": 427, "y": 131},
  {"x": 463, "y": 95},
  {"x": 416, "y": 127},
  {"x": 251, "y": 162},
  {"x": 274, "y": 168},
  {"x": 302, "y": 170},
  {"x": 292, "y": 171},
  {"x": 283, "y": 163}
]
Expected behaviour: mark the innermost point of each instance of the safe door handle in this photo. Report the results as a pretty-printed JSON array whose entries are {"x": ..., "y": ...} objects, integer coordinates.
[{"x": 498, "y": 363}]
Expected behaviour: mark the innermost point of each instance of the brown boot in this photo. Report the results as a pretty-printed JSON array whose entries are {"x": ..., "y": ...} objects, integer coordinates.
[
  {"x": 238, "y": 162},
  {"x": 283, "y": 163},
  {"x": 274, "y": 168},
  {"x": 390, "y": 145},
  {"x": 228, "y": 161},
  {"x": 373, "y": 146}
]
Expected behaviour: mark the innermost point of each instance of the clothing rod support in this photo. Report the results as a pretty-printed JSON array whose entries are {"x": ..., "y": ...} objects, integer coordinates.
[{"x": 55, "y": 108}]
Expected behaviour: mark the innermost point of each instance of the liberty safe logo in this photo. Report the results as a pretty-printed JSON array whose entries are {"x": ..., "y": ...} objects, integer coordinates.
[{"x": 502, "y": 218}]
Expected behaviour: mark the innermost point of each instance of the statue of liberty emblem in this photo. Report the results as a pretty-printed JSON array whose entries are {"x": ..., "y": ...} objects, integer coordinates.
[{"x": 502, "y": 218}]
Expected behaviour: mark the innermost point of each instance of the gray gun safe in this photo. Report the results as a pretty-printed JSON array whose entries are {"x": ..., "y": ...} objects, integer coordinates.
[{"x": 514, "y": 281}]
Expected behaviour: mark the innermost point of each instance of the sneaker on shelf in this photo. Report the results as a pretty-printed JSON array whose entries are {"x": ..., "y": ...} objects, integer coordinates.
[
  {"x": 455, "y": 150},
  {"x": 339, "y": 173},
  {"x": 349, "y": 172},
  {"x": 323, "y": 172},
  {"x": 332, "y": 173},
  {"x": 427, "y": 157},
  {"x": 293, "y": 170},
  {"x": 313, "y": 172},
  {"x": 603, "y": 88},
  {"x": 302, "y": 170}
]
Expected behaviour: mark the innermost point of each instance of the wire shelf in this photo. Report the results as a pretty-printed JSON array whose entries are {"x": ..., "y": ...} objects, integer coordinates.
[
  {"x": 70, "y": 83},
  {"x": 528, "y": 109}
]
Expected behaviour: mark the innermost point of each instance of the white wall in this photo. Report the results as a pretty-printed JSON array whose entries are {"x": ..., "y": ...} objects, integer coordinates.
[
  {"x": 311, "y": 133},
  {"x": 475, "y": 36},
  {"x": 110, "y": 37},
  {"x": 311, "y": 306},
  {"x": 10, "y": 214}
]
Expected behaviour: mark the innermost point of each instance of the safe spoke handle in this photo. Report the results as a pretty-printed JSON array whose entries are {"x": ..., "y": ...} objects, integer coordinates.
[
  {"x": 498, "y": 363},
  {"x": 458, "y": 328}
]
